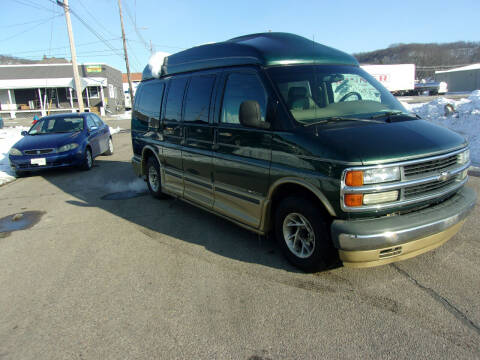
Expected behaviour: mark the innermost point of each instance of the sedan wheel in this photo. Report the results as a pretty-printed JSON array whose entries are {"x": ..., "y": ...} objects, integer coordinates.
[
  {"x": 110, "y": 147},
  {"x": 88, "y": 160}
]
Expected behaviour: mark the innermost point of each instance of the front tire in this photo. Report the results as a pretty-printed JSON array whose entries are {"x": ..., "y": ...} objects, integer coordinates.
[
  {"x": 154, "y": 179},
  {"x": 87, "y": 160},
  {"x": 303, "y": 235}
]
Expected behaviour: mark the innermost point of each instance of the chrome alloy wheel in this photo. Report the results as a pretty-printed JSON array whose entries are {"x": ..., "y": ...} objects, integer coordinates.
[
  {"x": 299, "y": 235},
  {"x": 110, "y": 145},
  {"x": 153, "y": 179}
]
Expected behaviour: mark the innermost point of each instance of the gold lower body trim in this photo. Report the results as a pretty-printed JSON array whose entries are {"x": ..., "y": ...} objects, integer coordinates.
[{"x": 369, "y": 258}]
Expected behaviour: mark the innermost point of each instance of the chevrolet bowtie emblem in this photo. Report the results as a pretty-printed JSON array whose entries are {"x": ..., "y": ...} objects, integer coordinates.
[{"x": 443, "y": 176}]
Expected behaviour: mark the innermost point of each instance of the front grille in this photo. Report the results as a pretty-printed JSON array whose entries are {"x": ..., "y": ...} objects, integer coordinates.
[
  {"x": 38, "y": 151},
  {"x": 431, "y": 166},
  {"x": 414, "y": 191},
  {"x": 421, "y": 181}
]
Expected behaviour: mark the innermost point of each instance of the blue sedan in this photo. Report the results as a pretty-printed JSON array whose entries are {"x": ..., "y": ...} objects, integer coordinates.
[{"x": 60, "y": 141}]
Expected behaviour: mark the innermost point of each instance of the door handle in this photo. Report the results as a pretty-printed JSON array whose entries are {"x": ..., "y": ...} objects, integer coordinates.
[
  {"x": 215, "y": 147},
  {"x": 228, "y": 134}
]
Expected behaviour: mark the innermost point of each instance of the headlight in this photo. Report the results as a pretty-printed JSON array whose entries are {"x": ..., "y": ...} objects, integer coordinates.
[
  {"x": 14, "y": 152},
  {"x": 372, "y": 176},
  {"x": 464, "y": 157},
  {"x": 67, "y": 147}
]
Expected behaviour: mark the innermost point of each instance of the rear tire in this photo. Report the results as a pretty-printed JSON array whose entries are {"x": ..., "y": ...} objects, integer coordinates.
[
  {"x": 110, "y": 148},
  {"x": 303, "y": 235},
  {"x": 154, "y": 179},
  {"x": 87, "y": 160}
]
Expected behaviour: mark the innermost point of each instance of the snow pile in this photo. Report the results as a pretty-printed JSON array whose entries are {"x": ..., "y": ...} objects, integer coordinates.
[
  {"x": 8, "y": 137},
  {"x": 115, "y": 130},
  {"x": 465, "y": 120},
  {"x": 155, "y": 63},
  {"x": 124, "y": 116}
]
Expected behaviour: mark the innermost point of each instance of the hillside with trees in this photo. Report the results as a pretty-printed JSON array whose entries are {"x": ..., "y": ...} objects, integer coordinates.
[{"x": 426, "y": 57}]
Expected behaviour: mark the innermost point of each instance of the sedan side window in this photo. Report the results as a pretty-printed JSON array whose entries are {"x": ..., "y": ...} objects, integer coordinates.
[
  {"x": 90, "y": 122},
  {"x": 239, "y": 88},
  {"x": 97, "y": 120}
]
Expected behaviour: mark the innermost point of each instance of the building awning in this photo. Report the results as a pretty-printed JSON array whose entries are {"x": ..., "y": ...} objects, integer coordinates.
[{"x": 51, "y": 83}]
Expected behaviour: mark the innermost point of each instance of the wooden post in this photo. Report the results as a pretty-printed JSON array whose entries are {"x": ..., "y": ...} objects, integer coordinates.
[{"x": 76, "y": 76}]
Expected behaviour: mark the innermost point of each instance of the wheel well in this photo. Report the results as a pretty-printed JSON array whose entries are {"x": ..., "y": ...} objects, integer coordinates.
[
  {"x": 294, "y": 190},
  {"x": 145, "y": 156}
]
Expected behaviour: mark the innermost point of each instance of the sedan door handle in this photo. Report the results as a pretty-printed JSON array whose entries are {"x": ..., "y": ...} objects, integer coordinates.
[{"x": 215, "y": 147}]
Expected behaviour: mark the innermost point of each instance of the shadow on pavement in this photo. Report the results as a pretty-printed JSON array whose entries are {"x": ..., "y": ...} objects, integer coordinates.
[{"x": 113, "y": 187}]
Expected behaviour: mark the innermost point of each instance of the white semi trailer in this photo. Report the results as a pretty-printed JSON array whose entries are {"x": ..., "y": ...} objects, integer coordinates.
[{"x": 399, "y": 79}]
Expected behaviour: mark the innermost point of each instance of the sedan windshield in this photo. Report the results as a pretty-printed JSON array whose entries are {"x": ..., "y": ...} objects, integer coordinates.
[
  {"x": 316, "y": 92},
  {"x": 57, "y": 125}
]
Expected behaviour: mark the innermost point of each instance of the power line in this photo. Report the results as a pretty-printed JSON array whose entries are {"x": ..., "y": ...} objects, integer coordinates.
[
  {"x": 30, "y": 29},
  {"x": 100, "y": 37},
  {"x": 99, "y": 23},
  {"x": 63, "y": 47},
  {"x": 32, "y": 5}
]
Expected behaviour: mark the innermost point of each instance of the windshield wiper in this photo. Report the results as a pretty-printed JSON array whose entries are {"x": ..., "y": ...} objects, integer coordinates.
[
  {"x": 343, "y": 118},
  {"x": 389, "y": 114}
]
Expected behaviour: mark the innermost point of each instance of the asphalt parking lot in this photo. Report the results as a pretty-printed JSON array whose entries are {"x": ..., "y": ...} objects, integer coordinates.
[{"x": 107, "y": 272}]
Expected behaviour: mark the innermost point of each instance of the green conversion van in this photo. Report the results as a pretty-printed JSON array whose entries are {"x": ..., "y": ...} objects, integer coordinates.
[{"x": 283, "y": 135}]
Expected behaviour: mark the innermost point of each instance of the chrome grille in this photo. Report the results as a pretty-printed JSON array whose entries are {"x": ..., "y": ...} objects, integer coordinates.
[
  {"x": 421, "y": 180},
  {"x": 413, "y": 191},
  {"x": 38, "y": 151},
  {"x": 431, "y": 166}
]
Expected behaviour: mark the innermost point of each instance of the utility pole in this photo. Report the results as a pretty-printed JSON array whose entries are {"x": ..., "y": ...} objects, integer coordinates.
[
  {"x": 76, "y": 76},
  {"x": 130, "y": 87}
]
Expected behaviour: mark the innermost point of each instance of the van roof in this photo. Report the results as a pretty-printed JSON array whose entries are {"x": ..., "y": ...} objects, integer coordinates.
[{"x": 266, "y": 49}]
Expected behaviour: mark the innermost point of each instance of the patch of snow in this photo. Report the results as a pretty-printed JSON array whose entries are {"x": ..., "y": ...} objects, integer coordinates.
[
  {"x": 115, "y": 130},
  {"x": 155, "y": 63},
  {"x": 8, "y": 137},
  {"x": 465, "y": 120},
  {"x": 124, "y": 116}
]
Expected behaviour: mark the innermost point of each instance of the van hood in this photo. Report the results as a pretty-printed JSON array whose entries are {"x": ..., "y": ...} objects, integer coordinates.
[{"x": 376, "y": 143}]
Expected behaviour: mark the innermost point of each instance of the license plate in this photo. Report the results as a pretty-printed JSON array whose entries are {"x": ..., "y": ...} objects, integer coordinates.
[{"x": 38, "y": 161}]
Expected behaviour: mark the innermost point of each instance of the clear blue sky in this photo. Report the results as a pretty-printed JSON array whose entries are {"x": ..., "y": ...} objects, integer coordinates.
[{"x": 32, "y": 28}]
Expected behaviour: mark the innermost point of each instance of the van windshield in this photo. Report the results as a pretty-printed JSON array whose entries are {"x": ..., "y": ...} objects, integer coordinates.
[{"x": 316, "y": 92}]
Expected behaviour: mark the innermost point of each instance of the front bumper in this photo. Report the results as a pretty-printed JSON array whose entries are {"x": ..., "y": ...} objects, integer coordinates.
[
  {"x": 69, "y": 158},
  {"x": 372, "y": 242}
]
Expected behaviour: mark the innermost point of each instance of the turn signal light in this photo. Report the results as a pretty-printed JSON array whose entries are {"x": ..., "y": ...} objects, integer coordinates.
[
  {"x": 353, "y": 200},
  {"x": 354, "y": 178}
]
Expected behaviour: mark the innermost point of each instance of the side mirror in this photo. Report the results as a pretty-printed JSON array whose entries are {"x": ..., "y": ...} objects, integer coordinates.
[
  {"x": 23, "y": 133},
  {"x": 250, "y": 115}
]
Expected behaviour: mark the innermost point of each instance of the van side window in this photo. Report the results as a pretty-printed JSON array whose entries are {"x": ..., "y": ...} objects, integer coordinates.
[
  {"x": 173, "y": 109},
  {"x": 148, "y": 106},
  {"x": 197, "y": 102},
  {"x": 239, "y": 88}
]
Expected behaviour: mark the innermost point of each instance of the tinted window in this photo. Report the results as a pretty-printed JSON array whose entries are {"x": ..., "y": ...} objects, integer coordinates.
[
  {"x": 197, "y": 102},
  {"x": 97, "y": 120},
  {"x": 57, "y": 125},
  {"x": 149, "y": 104},
  {"x": 173, "y": 110},
  {"x": 90, "y": 122},
  {"x": 239, "y": 88}
]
